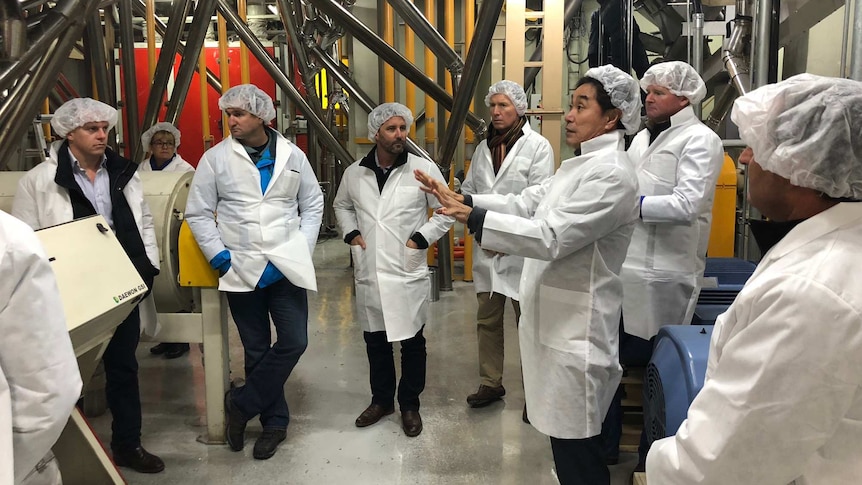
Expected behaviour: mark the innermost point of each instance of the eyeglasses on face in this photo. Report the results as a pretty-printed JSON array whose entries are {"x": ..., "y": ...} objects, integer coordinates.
[{"x": 162, "y": 143}]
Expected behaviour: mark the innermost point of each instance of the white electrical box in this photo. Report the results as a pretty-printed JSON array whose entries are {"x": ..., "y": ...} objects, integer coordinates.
[{"x": 98, "y": 283}]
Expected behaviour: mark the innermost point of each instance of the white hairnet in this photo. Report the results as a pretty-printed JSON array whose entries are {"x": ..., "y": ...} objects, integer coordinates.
[
  {"x": 807, "y": 129},
  {"x": 513, "y": 91},
  {"x": 79, "y": 111},
  {"x": 624, "y": 93},
  {"x": 678, "y": 77},
  {"x": 161, "y": 126},
  {"x": 248, "y": 97},
  {"x": 382, "y": 113}
]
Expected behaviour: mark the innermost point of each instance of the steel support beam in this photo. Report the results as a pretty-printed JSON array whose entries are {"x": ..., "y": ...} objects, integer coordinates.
[
  {"x": 164, "y": 66},
  {"x": 132, "y": 137},
  {"x": 371, "y": 40},
  {"x": 189, "y": 63},
  {"x": 26, "y": 97}
]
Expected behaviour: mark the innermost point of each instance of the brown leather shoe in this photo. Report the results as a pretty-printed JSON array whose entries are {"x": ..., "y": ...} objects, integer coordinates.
[
  {"x": 373, "y": 414},
  {"x": 411, "y": 422},
  {"x": 485, "y": 396},
  {"x": 138, "y": 459}
]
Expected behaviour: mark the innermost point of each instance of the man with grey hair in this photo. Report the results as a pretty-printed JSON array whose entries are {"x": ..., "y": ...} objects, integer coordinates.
[
  {"x": 781, "y": 400},
  {"x": 384, "y": 218},
  {"x": 678, "y": 160},
  {"x": 83, "y": 177},
  {"x": 255, "y": 209},
  {"x": 511, "y": 158}
]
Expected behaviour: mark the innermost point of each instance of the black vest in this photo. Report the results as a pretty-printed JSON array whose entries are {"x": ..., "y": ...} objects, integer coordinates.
[{"x": 120, "y": 172}]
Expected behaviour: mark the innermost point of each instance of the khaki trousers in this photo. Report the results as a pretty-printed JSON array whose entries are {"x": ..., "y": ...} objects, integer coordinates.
[{"x": 489, "y": 330}]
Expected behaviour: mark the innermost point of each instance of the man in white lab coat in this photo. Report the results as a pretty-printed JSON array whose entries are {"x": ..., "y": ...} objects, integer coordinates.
[
  {"x": 384, "y": 217},
  {"x": 82, "y": 177},
  {"x": 512, "y": 158},
  {"x": 255, "y": 209},
  {"x": 573, "y": 231},
  {"x": 678, "y": 160},
  {"x": 782, "y": 398},
  {"x": 39, "y": 379}
]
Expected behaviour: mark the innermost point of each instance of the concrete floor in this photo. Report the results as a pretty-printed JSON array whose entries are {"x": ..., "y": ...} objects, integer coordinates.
[{"x": 329, "y": 388}]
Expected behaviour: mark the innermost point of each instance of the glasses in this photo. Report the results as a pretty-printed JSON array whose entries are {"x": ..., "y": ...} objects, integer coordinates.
[{"x": 163, "y": 143}]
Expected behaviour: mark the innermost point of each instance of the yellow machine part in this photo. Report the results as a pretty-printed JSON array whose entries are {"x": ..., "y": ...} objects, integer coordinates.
[
  {"x": 721, "y": 234},
  {"x": 194, "y": 270}
]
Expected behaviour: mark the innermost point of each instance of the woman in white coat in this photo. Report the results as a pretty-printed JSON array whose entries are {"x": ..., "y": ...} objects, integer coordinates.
[
  {"x": 512, "y": 158},
  {"x": 573, "y": 231},
  {"x": 161, "y": 142},
  {"x": 782, "y": 398},
  {"x": 39, "y": 378},
  {"x": 384, "y": 217}
]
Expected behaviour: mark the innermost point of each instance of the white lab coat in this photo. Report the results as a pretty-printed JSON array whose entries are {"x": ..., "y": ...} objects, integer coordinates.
[
  {"x": 391, "y": 279},
  {"x": 178, "y": 164},
  {"x": 782, "y": 399},
  {"x": 573, "y": 231},
  {"x": 279, "y": 226},
  {"x": 529, "y": 162},
  {"x": 39, "y": 377},
  {"x": 666, "y": 258},
  {"x": 41, "y": 203}
]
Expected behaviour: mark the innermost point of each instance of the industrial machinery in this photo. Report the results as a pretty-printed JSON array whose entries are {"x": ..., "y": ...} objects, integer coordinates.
[
  {"x": 723, "y": 278},
  {"x": 166, "y": 194},
  {"x": 674, "y": 376}
]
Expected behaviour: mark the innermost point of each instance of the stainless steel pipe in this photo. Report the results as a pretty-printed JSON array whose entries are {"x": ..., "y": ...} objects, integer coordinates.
[{"x": 371, "y": 40}]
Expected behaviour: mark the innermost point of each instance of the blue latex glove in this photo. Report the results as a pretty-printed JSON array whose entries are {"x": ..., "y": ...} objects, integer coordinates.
[
  {"x": 221, "y": 262},
  {"x": 270, "y": 275}
]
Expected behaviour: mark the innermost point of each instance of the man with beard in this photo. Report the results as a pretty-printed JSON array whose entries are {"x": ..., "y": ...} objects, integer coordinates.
[{"x": 384, "y": 218}]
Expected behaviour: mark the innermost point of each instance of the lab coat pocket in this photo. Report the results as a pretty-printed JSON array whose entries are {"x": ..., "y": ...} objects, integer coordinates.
[
  {"x": 290, "y": 183},
  {"x": 360, "y": 271},
  {"x": 659, "y": 174},
  {"x": 564, "y": 317},
  {"x": 414, "y": 259}
]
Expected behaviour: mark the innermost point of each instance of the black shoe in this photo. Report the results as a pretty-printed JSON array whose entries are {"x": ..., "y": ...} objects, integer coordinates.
[
  {"x": 160, "y": 348},
  {"x": 138, "y": 459},
  {"x": 234, "y": 423},
  {"x": 267, "y": 443},
  {"x": 176, "y": 350},
  {"x": 411, "y": 422},
  {"x": 485, "y": 396}
]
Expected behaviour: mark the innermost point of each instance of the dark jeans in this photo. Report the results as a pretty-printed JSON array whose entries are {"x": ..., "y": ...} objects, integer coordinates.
[
  {"x": 121, "y": 383},
  {"x": 580, "y": 462},
  {"x": 382, "y": 369},
  {"x": 267, "y": 365},
  {"x": 637, "y": 352}
]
